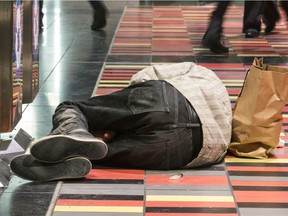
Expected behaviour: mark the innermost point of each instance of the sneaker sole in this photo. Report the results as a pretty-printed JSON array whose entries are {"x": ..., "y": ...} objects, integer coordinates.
[
  {"x": 27, "y": 167},
  {"x": 56, "y": 148}
]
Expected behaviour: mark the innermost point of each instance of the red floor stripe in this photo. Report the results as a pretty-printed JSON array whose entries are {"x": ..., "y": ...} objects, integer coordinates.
[
  {"x": 261, "y": 196},
  {"x": 115, "y": 174},
  {"x": 191, "y": 204}
]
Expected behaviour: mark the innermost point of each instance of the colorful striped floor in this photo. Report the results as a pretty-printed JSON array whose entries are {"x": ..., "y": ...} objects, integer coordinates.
[{"x": 238, "y": 186}]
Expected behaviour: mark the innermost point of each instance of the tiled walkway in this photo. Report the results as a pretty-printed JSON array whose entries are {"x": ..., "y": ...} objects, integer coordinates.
[{"x": 237, "y": 186}]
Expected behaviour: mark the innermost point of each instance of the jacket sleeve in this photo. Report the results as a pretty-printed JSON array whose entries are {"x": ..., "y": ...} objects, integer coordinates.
[{"x": 162, "y": 72}]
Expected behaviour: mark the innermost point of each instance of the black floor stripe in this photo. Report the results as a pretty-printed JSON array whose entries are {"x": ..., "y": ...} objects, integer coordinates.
[
  {"x": 262, "y": 205},
  {"x": 190, "y": 210},
  {"x": 259, "y": 188},
  {"x": 107, "y": 181},
  {"x": 100, "y": 197}
]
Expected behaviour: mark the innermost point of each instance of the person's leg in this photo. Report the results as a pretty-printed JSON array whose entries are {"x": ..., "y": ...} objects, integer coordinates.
[
  {"x": 99, "y": 14},
  {"x": 212, "y": 37},
  {"x": 155, "y": 128},
  {"x": 75, "y": 122},
  {"x": 69, "y": 137},
  {"x": 253, "y": 11},
  {"x": 270, "y": 15}
]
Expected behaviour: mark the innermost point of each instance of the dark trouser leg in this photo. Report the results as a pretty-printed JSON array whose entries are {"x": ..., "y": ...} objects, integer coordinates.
[
  {"x": 96, "y": 3},
  {"x": 252, "y": 15},
  {"x": 212, "y": 37},
  {"x": 69, "y": 137},
  {"x": 219, "y": 13},
  {"x": 254, "y": 11},
  {"x": 270, "y": 15},
  {"x": 155, "y": 128},
  {"x": 99, "y": 14},
  {"x": 152, "y": 125}
]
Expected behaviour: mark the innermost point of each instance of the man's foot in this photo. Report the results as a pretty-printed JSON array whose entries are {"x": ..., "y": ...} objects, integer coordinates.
[
  {"x": 27, "y": 167},
  {"x": 251, "y": 33},
  {"x": 214, "y": 46},
  {"x": 56, "y": 148}
]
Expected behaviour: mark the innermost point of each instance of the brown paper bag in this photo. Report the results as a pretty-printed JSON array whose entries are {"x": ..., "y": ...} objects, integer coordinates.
[{"x": 257, "y": 115}]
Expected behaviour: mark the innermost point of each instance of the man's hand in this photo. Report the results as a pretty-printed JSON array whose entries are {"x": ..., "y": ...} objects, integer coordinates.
[{"x": 106, "y": 136}]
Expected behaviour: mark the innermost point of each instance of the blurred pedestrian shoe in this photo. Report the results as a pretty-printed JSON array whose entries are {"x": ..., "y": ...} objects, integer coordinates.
[{"x": 251, "y": 33}]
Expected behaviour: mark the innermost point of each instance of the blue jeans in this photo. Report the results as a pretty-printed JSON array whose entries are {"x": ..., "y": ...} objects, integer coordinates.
[{"x": 156, "y": 127}]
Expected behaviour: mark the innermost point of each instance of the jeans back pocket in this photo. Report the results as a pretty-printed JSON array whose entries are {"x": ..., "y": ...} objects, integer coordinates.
[{"x": 151, "y": 96}]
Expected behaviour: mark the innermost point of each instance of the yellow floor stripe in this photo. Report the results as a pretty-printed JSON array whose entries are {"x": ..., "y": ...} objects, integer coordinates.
[
  {"x": 248, "y": 160},
  {"x": 233, "y": 97},
  {"x": 262, "y": 54},
  {"x": 152, "y": 198},
  {"x": 234, "y": 84},
  {"x": 113, "y": 85},
  {"x": 280, "y": 46},
  {"x": 98, "y": 209}
]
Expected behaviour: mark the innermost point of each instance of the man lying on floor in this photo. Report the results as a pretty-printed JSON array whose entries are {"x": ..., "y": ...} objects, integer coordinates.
[{"x": 172, "y": 116}]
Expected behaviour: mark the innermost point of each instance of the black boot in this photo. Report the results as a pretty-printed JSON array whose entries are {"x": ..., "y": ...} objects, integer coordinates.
[
  {"x": 212, "y": 37},
  {"x": 69, "y": 138},
  {"x": 27, "y": 167}
]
